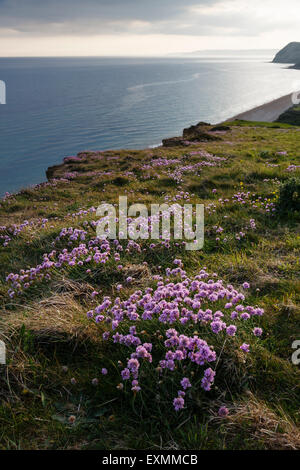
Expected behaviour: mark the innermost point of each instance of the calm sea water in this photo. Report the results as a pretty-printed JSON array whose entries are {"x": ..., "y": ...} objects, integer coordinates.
[{"x": 58, "y": 107}]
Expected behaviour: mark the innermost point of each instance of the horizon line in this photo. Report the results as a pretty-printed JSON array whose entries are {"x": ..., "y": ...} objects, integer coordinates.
[{"x": 169, "y": 54}]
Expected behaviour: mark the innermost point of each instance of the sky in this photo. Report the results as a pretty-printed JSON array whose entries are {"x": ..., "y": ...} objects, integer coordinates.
[{"x": 143, "y": 27}]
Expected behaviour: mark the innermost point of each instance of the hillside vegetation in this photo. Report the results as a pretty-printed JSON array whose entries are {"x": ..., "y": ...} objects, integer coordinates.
[
  {"x": 191, "y": 316},
  {"x": 291, "y": 116}
]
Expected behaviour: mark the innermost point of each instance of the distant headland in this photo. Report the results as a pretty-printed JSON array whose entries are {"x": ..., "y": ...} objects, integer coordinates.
[{"x": 290, "y": 54}]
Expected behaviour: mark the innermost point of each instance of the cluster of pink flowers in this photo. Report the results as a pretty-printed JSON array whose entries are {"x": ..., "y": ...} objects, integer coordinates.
[
  {"x": 241, "y": 197},
  {"x": 245, "y": 199},
  {"x": 160, "y": 162},
  {"x": 9, "y": 198},
  {"x": 178, "y": 173},
  {"x": 272, "y": 165},
  {"x": 70, "y": 175},
  {"x": 181, "y": 168},
  {"x": 207, "y": 156},
  {"x": 292, "y": 167},
  {"x": 264, "y": 204},
  {"x": 8, "y": 232},
  {"x": 175, "y": 305},
  {"x": 74, "y": 159},
  {"x": 282, "y": 153},
  {"x": 95, "y": 252},
  {"x": 182, "y": 195},
  {"x": 90, "y": 254},
  {"x": 72, "y": 234},
  {"x": 221, "y": 236}
]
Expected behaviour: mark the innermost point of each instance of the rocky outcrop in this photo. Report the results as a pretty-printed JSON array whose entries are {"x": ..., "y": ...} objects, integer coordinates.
[
  {"x": 290, "y": 54},
  {"x": 175, "y": 142},
  {"x": 201, "y": 132},
  {"x": 52, "y": 170},
  {"x": 220, "y": 128}
]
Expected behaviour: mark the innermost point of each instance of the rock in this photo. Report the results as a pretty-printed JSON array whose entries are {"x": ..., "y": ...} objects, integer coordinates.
[
  {"x": 290, "y": 54},
  {"x": 220, "y": 128},
  {"x": 51, "y": 171},
  {"x": 193, "y": 134},
  {"x": 194, "y": 130},
  {"x": 174, "y": 142},
  {"x": 202, "y": 124},
  {"x": 199, "y": 133}
]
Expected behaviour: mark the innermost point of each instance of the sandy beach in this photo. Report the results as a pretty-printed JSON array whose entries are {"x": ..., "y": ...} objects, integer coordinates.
[{"x": 267, "y": 112}]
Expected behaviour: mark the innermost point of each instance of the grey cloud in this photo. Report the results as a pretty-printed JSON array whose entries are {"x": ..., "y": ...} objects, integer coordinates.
[
  {"x": 88, "y": 17},
  {"x": 104, "y": 10}
]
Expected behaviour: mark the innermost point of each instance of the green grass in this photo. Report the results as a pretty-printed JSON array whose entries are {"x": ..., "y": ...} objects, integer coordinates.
[
  {"x": 46, "y": 327},
  {"x": 270, "y": 125}
]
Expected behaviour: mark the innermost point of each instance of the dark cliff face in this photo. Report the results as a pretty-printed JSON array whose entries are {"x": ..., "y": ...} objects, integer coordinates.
[
  {"x": 201, "y": 132},
  {"x": 290, "y": 54}
]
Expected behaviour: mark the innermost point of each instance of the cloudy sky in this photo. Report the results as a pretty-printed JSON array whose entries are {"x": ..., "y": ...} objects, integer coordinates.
[{"x": 144, "y": 27}]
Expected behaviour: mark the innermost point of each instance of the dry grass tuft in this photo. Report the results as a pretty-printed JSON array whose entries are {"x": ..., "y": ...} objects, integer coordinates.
[
  {"x": 55, "y": 319},
  {"x": 289, "y": 307},
  {"x": 276, "y": 431},
  {"x": 140, "y": 273},
  {"x": 76, "y": 288}
]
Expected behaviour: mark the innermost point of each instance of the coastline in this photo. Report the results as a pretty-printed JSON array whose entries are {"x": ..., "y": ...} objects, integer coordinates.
[{"x": 267, "y": 112}]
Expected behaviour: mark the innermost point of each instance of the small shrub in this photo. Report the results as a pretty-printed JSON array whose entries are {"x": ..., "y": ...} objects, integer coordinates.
[
  {"x": 120, "y": 181},
  {"x": 289, "y": 196},
  {"x": 265, "y": 154}
]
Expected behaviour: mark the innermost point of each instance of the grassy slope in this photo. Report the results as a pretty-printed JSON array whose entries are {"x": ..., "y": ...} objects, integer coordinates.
[{"x": 46, "y": 327}]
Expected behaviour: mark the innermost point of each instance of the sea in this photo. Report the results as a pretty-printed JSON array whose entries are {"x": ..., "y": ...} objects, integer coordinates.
[{"x": 57, "y": 107}]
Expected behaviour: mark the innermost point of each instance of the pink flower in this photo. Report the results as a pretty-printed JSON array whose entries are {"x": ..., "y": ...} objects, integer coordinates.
[
  {"x": 223, "y": 411},
  {"x": 245, "y": 347},
  {"x": 257, "y": 331},
  {"x": 178, "y": 403},
  {"x": 231, "y": 330}
]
